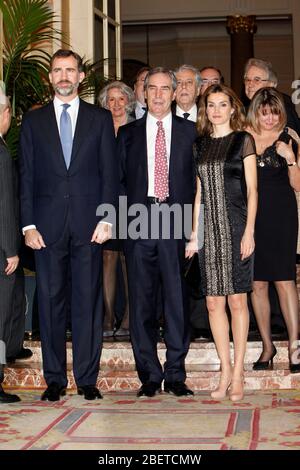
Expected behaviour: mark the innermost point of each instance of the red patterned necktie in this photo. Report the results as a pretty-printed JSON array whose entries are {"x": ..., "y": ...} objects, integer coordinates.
[{"x": 161, "y": 178}]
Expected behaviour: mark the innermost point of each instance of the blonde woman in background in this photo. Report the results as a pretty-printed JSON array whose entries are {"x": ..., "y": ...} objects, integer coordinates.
[{"x": 277, "y": 221}]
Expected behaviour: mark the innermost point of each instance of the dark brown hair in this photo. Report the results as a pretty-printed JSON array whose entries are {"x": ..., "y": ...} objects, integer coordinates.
[
  {"x": 237, "y": 119},
  {"x": 63, "y": 53}
]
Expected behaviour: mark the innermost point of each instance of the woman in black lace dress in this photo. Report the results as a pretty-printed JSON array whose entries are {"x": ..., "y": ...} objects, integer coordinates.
[
  {"x": 225, "y": 205},
  {"x": 277, "y": 221}
]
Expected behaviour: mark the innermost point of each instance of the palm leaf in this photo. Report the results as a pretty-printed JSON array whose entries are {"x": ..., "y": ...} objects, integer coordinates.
[{"x": 28, "y": 25}]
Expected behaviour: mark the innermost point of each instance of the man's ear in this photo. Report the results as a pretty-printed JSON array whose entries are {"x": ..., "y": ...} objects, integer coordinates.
[{"x": 81, "y": 76}]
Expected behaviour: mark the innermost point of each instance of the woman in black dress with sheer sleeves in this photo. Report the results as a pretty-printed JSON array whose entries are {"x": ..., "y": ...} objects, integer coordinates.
[
  {"x": 277, "y": 221},
  {"x": 225, "y": 205}
]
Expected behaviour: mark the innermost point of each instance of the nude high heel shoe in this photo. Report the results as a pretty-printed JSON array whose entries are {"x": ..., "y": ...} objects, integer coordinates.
[
  {"x": 236, "y": 392},
  {"x": 221, "y": 390}
]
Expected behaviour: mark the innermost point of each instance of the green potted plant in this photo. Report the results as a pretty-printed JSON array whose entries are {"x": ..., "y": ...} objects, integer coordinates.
[{"x": 27, "y": 26}]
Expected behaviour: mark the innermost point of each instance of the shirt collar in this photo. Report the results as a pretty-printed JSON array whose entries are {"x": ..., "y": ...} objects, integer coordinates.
[
  {"x": 180, "y": 111},
  {"x": 74, "y": 102},
  {"x": 140, "y": 105},
  {"x": 166, "y": 120}
]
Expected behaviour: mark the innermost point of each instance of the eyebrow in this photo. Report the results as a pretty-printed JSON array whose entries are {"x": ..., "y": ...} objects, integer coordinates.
[
  {"x": 218, "y": 102},
  {"x": 69, "y": 69},
  {"x": 165, "y": 87}
]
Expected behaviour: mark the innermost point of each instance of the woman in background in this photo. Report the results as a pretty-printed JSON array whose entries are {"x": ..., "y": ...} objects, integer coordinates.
[
  {"x": 119, "y": 99},
  {"x": 276, "y": 223}
]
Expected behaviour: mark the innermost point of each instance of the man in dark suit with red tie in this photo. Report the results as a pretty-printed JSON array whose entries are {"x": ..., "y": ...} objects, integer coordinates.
[
  {"x": 68, "y": 168},
  {"x": 156, "y": 162}
]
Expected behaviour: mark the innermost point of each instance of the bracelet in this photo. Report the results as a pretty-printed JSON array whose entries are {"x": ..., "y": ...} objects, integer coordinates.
[{"x": 292, "y": 164}]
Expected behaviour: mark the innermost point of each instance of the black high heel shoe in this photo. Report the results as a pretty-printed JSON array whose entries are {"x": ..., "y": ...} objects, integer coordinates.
[
  {"x": 264, "y": 365},
  {"x": 295, "y": 368}
]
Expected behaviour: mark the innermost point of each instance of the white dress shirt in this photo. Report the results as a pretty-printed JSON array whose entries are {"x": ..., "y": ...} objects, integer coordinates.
[
  {"x": 58, "y": 109},
  {"x": 151, "y": 131},
  {"x": 193, "y": 113},
  {"x": 140, "y": 110},
  {"x": 72, "y": 110}
]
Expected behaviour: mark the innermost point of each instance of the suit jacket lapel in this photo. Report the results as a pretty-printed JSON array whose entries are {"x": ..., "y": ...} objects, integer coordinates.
[
  {"x": 51, "y": 129},
  {"x": 174, "y": 151},
  {"x": 141, "y": 144},
  {"x": 83, "y": 127}
]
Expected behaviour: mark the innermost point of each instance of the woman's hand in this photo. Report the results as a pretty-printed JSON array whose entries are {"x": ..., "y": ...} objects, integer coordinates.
[
  {"x": 247, "y": 244},
  {"x": 192, "y": 246},
  {"x": 286, "y": 151}
]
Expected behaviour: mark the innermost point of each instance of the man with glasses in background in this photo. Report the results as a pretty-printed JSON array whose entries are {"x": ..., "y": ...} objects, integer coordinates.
[
  {"x": 259, "y": 74},
  {"x": 210, "y": 76}
]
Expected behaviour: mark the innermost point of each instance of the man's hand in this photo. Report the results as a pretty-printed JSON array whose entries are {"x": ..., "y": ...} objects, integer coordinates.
[
  {"x": 34, "y": 239},
  {"x": 12, "y": 264},
  {"x": 102, "y": 233}
]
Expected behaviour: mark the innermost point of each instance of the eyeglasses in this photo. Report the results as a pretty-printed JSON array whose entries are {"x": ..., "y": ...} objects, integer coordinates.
[
  {"x": 213, "y": 81},
  {"x": 256, "y": 80}
]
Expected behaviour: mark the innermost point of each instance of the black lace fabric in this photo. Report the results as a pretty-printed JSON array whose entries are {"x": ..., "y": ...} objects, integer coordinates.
[{"x": 219, "y": 165}]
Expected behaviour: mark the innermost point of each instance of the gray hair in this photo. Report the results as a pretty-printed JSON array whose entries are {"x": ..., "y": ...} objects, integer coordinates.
[
  {"x": 263, "y": 65},
  {"x": 4, "y": 103},
  {"x": 124, "y": 89},
  {"x": 163, "y": 70},
  {"x": 193, "y": 69}
]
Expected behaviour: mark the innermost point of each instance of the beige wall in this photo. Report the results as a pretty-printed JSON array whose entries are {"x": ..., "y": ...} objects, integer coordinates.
[
  {"x": 77, "y": 23},
  {"x": 277, "y": 41},
  {"x": 208, "y": 45}
]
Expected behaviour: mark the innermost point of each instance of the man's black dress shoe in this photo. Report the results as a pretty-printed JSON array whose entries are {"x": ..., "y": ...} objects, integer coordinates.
[
  {"x": 149, "y": 389},
  {"x": 8, "y": 397},
  {"x": 177, "y": 388},
  {"x": 53, "y": 392},
  {"x": 90, "y": 392},
  {"x": 24, "y": 353}
]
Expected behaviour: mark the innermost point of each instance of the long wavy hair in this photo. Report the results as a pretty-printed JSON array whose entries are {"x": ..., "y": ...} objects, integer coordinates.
[{"x": 237, "y": 119}]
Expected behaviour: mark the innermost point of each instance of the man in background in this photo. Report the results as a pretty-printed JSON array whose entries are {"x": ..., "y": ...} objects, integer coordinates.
[
  {"x": 9, "y": 242},
  {"x": 258, "y": 74},
  {"x": 141, "y": 105},
  {"x": 187, "y": 92},
  {"x": 210, "y": 75}
]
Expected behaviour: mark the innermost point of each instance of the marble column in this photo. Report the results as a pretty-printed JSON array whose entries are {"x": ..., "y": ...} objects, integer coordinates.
[
  {"x": 241, "y": 30},
  {"x": 65, "y": 20}
]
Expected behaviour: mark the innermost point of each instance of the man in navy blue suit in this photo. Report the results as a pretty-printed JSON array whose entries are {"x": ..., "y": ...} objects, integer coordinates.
[
  {"x": 156, "y": 161},
  {"x": 68, "y": 168}
]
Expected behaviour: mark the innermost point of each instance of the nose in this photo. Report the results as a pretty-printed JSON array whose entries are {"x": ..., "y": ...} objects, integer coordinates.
[{"x": 64, "y": 74}]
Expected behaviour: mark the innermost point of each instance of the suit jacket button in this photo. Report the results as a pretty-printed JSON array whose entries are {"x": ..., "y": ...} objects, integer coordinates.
[{"x": 66, "y": 196}]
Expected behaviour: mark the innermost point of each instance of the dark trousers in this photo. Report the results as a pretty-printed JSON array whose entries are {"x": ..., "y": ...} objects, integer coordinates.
[
  {"x": 12, "y": 312},
  {"x": 149, "y": 263},
  {"x": 7, "y": 285},
  {"x": 17, "y": 320},
  {"x": 54, "y": 265}
]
